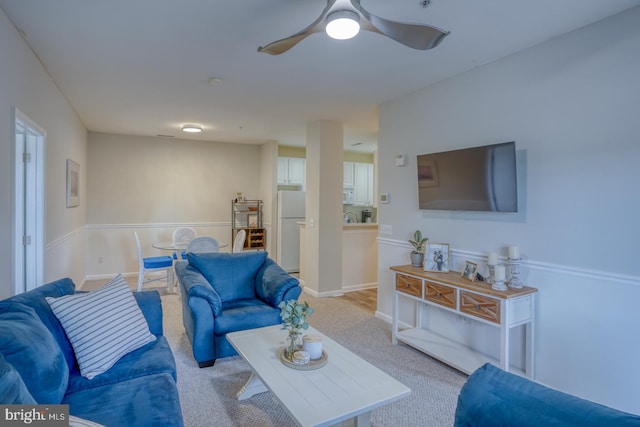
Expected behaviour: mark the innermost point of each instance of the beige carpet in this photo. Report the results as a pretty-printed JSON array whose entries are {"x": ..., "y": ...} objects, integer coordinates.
[{"x": 208, "y": 395}]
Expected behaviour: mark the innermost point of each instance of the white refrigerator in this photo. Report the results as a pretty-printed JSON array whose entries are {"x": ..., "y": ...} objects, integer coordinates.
[{"x": 290, "y": 212}]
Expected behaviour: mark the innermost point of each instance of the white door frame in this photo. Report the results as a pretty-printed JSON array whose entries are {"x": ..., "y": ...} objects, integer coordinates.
[{"x": 28, "y": 265}]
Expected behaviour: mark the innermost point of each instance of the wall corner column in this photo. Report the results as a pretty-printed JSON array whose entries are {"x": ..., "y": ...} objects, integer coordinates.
[{"x": 323, "y": 237}]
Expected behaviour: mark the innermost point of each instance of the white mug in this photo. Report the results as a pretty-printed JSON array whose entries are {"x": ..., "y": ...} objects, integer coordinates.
[{"x": 313, "y": 344}]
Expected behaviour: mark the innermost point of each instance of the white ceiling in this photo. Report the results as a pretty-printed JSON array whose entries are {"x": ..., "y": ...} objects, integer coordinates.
[{"x": 142, "y": 67}]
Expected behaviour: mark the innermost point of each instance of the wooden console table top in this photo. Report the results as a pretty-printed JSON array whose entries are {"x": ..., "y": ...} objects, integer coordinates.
[{"x": 454, "y": 278}]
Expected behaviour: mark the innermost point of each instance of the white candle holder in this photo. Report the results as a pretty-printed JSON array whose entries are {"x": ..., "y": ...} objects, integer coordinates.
[
  {"x": 514, "y": 279},
  {"x": 499, "y": 285},
  {"x": 498, "y": 279},
  {"x": 490, "y": 279}
]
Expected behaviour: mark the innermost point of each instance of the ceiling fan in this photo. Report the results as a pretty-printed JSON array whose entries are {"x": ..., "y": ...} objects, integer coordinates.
[{"x": 343, "y": 19}]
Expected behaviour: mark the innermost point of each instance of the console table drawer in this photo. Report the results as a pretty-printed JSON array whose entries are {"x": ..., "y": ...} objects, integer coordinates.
[
  {"x": 480, "y": 306},
  {"x": 409, "y": 285},
  {"x": 440, "y": 294}
]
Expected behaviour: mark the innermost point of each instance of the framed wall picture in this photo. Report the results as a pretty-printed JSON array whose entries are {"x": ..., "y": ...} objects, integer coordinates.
[
  {"x": 437, "y": 257},
  {"x": 470, "y": 271},
  {"x": 73, "y": 184},
  {"x": 252, "y": 220}
]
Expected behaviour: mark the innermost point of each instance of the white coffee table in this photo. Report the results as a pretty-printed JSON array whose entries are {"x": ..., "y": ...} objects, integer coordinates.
[{"x": 346, "y": 387}]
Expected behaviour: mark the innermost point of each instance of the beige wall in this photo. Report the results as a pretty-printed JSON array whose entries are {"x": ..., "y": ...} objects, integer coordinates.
[
  {"x": 151, "y": 185},
  {"x": 135, "y": 179},
  {"x": 25, "y": 85},
  {"x": 289, "y": 151},
  {"x": 352, "y": 156}
]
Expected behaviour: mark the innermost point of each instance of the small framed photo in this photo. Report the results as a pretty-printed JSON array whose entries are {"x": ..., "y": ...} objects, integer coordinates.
[
  {"x": 437, "y": 257},
  {"x": 470, "y": 271},
  {"x": 252, "y": 220},
  {"x": 240, "y": 197}
]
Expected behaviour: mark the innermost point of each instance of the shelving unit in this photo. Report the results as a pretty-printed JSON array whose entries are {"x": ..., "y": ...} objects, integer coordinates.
[
  {"x": 476, "y": 301},
  {"x": 247, "y": 215}
]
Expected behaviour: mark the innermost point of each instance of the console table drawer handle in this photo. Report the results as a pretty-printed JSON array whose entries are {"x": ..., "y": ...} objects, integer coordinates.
[{"x": 438, "y": 294}]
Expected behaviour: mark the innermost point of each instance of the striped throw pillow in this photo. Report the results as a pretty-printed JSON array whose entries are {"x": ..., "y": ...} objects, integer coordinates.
[{"x": 102, "y": 325}]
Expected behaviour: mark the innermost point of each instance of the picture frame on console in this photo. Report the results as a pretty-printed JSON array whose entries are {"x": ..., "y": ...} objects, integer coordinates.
[
  {"x": 437, "y": 257},
  {"x": 470, "y": 271}
]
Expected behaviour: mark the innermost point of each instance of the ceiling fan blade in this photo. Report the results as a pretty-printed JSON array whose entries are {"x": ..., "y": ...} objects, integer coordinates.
[
  {"x": 417, "y": 36},
  {"x": 281, "y": 46}
]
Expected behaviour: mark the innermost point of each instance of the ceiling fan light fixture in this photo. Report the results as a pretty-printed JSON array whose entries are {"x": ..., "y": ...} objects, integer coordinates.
[
  {"x": 343, "y": 24},
  {"x": 192, "y": 128}
]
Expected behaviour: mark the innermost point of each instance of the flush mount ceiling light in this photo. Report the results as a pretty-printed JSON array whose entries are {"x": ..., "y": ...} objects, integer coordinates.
[
  {"x": 336, "y": 12},
  {"x": 343, "y": 25},
  {"x": 192, "y": 128}
]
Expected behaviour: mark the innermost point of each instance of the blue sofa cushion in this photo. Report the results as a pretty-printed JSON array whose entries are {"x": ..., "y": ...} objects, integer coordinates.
[
  {"x": 153, "y": 358},
  {"x": 33, "y": 351},
  {"x": 103, "y": 325},
  {"x": 233, "y": 276},
  {"x": 12, "y": 388},
  {"x": 36, "y": 299},
  {"x": 246, "y": 314},
  {"x": 151, "y": 400},
  {"x": 273, "y": 283},
  {"x": 493, "y": 397}
]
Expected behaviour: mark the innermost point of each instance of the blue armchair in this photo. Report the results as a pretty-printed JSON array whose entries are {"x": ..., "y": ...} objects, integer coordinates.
[{"x": 223, "y": 292}]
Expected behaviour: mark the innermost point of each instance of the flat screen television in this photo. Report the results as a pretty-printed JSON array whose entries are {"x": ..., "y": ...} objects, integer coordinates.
[{"x": 470, "y": 179}]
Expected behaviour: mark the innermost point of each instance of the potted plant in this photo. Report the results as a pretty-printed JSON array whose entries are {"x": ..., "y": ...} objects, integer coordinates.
[
  {"x": 294, "y": 318},
  {"x": 418, "y": 242}
]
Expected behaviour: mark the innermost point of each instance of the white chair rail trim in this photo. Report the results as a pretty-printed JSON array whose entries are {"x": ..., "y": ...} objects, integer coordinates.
[
  {"x": 77, "y": 233},
  {"x": 158, "y": 225},
  {"x": 479, "y": 257}
]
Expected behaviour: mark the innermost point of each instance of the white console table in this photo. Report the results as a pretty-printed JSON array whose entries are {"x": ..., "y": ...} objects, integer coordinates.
[{"x": 473, "y": 300}]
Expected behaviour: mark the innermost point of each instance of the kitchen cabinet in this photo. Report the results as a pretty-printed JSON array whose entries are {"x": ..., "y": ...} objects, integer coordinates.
[
  {"x": 358, "y": 183},
  {"x": 291, "y": 171},
  {"x": 363, "y": 184},
  {"x": 348, "y": 175}
]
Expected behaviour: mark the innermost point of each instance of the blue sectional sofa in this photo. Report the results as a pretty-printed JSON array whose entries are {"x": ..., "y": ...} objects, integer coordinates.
[
  {"x": 492, "y": 397},
  {"x": 224, "y": 293},
  {"x": 38, "y": 365}
]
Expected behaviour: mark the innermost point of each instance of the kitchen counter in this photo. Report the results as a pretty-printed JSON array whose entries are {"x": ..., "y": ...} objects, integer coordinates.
[{"x": 359, "y": 226}]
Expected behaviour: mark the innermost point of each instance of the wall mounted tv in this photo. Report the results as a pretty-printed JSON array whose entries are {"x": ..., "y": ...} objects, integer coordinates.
[{"x": 471, "y": 179}]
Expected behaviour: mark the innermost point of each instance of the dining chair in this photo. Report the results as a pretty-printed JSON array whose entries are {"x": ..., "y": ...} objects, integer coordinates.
[
  {"x": 203, "y": 244},
  {"x": 238, "y": 241},
  {"x": 182, "y": 235},
  {"x": 151, "y": 265}
]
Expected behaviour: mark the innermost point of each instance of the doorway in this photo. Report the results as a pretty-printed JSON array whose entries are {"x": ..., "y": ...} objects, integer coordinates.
[{"x": 28, "y": 204}]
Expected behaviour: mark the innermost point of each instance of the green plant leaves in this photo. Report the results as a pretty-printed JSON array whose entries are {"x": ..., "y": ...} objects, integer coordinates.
[
  {"x": 294, "y": 314},
  {"x": 418, "y": 241}
]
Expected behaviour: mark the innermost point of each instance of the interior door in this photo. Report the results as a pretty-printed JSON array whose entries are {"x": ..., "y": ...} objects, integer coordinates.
[{"x": 29, "y": 205}]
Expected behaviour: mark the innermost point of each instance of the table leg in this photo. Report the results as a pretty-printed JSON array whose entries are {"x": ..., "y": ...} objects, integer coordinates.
[
  {"x": 362, "y": 420},
  {"x": 253, "y": 386}
]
